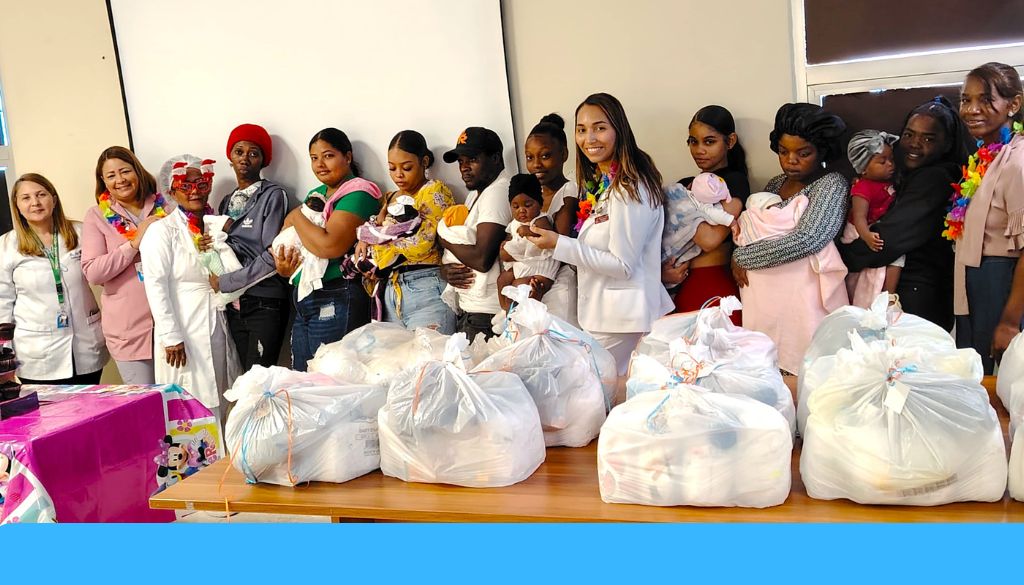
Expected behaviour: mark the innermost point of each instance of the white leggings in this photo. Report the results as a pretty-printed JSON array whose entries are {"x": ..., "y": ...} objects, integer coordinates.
[
  {"x": 136, "y": 371},
  {"x": 620, "y": 345}
]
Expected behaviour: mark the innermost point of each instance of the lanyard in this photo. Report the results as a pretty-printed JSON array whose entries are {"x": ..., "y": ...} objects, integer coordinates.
[{"x": 54, "y": 257}]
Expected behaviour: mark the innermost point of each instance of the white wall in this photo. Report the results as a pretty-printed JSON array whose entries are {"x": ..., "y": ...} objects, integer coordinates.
[
  {"x": 62, "y": 97},
  {"x": 663, "y": 59}
]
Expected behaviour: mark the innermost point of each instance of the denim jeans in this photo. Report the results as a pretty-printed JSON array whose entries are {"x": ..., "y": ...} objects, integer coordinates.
[
  {"x": 325, "y": 316},
  {"x": 421, "y": 301},
  {"x": 988, "y": 288},
  {"x": 258, "y": 329}
]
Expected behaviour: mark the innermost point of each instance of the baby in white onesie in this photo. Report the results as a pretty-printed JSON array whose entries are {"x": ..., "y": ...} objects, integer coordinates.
[{"x": 529, "y": 264}]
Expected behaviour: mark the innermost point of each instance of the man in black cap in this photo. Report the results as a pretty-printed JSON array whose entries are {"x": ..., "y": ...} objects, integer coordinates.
[{"x": 479, "y": 154}]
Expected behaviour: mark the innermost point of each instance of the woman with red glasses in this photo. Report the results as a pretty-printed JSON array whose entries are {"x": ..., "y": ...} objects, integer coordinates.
[{"x": 192, "y": 345}]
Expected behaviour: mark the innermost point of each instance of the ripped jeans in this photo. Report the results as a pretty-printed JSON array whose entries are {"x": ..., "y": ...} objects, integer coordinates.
[{"x": 325, "y": 316}]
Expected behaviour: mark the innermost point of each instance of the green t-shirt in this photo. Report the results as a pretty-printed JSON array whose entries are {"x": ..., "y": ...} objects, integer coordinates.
[{"x": 358, "y": 203}]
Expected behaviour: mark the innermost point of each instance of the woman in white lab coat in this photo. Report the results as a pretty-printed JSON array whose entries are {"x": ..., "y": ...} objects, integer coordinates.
[
  {"x": 618, "y": 250},
  {"x": 43, "y": 291},
  {"x": 192, "y": 346}
]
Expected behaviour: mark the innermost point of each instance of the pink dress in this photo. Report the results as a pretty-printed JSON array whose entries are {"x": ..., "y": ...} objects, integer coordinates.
[
  {"x": 109, "y": 261},
  {"x": 788, "y": 302}
]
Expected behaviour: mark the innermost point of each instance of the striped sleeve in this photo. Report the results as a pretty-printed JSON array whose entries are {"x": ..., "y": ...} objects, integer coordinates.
[{"x": 824, "y": 217}]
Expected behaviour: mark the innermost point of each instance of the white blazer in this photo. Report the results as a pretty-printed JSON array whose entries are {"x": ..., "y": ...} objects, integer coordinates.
[
  {"x": 618, "y": 256},
  {"x": 184, "y": 309},
  {"x": 28, "y": 298}
]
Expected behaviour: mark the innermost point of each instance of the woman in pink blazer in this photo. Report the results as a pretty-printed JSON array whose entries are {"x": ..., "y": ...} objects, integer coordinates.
[{"x": 127, "y": 204}]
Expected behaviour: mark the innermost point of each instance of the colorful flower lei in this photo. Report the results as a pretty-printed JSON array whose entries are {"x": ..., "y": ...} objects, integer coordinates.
[
  {"x": 195, "y": 225},
  {"x": 595, "y": 189},
  {"x": 973, "y": 173},
  {"x": 178, "y": 173},
  {"x": 126, "y": 228}
]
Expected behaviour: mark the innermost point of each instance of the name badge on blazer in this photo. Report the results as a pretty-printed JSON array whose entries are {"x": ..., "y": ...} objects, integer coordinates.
[{"x": 600, "y": 219}]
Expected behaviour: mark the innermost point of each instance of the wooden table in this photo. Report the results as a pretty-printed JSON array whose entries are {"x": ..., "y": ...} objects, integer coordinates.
[{"x": 564, "y": 489}]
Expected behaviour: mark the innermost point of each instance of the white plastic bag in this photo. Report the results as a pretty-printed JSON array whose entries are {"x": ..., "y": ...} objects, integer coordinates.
[
  {"x": 880, "y": 322},
  {"x": 1010, "y": 381},
  {"x": 886, "y": 428},
  {"x": 560, "y": 370},
  {"x": 687, "y": 446},
  {"x": 376, "y": 352},
  {"x": 705, "y": 348},
  {"x": 292, "y": 427},
  {"x": 1016, "y": 472},
  {"x": 443, "y": 425}
]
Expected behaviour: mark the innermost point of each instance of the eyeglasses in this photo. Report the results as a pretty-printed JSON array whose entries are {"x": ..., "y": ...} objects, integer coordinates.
[{"x": 189, "y": 188}]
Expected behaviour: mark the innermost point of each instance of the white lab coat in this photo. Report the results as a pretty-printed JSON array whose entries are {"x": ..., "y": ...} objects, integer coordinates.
[
  {"x": 619, "y": 267},
  {"x": 28, "y": 298},
  {"x": 185, "y": 310}
]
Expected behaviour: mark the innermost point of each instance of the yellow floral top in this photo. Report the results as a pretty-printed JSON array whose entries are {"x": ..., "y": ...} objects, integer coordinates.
[{"x": 431, "y": 201}]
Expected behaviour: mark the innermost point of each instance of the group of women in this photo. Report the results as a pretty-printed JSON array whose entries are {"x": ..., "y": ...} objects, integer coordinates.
[{"x": 167, "y": 317}]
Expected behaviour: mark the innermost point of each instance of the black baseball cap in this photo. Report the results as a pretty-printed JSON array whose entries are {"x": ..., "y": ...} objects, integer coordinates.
[{"x": 473, "y": 141}]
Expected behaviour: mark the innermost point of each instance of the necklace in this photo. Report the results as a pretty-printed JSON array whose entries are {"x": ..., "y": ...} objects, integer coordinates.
[
  {"x": 595, "y": 190},
  {"x": 126, "y": 228},
  {"x": 974, "y": 172}
]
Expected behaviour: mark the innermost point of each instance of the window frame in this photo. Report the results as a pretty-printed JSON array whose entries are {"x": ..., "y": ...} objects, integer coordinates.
[{"x": 901, "y": 71}]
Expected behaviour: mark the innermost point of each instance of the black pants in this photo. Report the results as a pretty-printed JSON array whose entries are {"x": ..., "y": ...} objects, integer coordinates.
[
  {"x": 89, "y": 379},
  {"x": 258, "y": 329},
  {"x": 473, "y": 323}
]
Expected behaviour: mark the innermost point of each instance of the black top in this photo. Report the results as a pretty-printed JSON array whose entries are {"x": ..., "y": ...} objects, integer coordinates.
[
  {"x": 737, "y": 181},
  {"x": 913, "y": 227}
]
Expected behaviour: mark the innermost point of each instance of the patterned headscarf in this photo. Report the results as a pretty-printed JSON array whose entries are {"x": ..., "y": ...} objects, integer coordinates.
[{"x": 866, "y": 144}]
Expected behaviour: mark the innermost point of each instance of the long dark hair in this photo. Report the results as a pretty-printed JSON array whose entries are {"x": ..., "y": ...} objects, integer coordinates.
[
  {"x": 636, "y": 167},
  {"x": 957, "y": 137},
  {"x": 339, "y": 140},
  {"x": 721, "y": 121}
]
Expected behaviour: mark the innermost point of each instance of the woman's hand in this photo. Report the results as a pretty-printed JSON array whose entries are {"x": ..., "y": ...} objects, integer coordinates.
[
  {"x": 175, "y": 355},
  {"x": 362, "y": 250},
  {"x": 739, "y": 274},
  {"x": 205, "y": 242},
  {"x": 543, "y": 239},
  {"x": 141, "y": 230},
  {"x": 674, "y": 274},
  {"x": 286, "y": 261},
  {"x": 214, "y": 282},
  {"x": 1001, "y": 338},
  {"x": 457, "y": 275}
]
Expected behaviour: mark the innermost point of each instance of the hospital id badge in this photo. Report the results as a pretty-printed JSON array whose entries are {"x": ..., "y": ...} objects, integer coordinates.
[
  {"x": 138, "y": 271},
  {"x": 62, "y": 320}
]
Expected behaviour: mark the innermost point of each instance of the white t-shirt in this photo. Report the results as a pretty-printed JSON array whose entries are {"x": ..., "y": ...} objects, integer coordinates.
[
  {"x": 569, "y": 189},
  {"x": 488, "y": 206}
]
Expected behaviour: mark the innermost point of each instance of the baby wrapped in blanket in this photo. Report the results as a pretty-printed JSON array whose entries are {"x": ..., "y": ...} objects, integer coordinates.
[{"x": 686, "y": 209}]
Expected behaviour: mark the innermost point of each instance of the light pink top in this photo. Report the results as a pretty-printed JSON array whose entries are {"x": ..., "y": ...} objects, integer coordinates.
[{"x": 108, "y": 260}]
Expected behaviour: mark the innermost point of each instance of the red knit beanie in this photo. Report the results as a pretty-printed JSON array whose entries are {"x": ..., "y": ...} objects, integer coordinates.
[{"x": 255, "y": 134}]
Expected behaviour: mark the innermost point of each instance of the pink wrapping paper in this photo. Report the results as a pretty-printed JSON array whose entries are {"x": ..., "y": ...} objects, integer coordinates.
[{"x": 97, "y": 453}]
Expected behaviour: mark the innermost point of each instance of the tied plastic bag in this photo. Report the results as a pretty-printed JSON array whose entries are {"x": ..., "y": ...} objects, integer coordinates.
[
  {"x": 1016, "y": 471},
  {"x": 441, "y": 424},
  {"x": 687, "y": 446},
  {"x": 710, "y": 352},
  {"x": 561, "y": 370},
  {"x": 887, "y": 428},
  {"x": 292, "y": 427},
  {"x": 376, "y": 352},
  {"x": 880, "y": 322},
  {"x": 1010, "y": 382}
]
